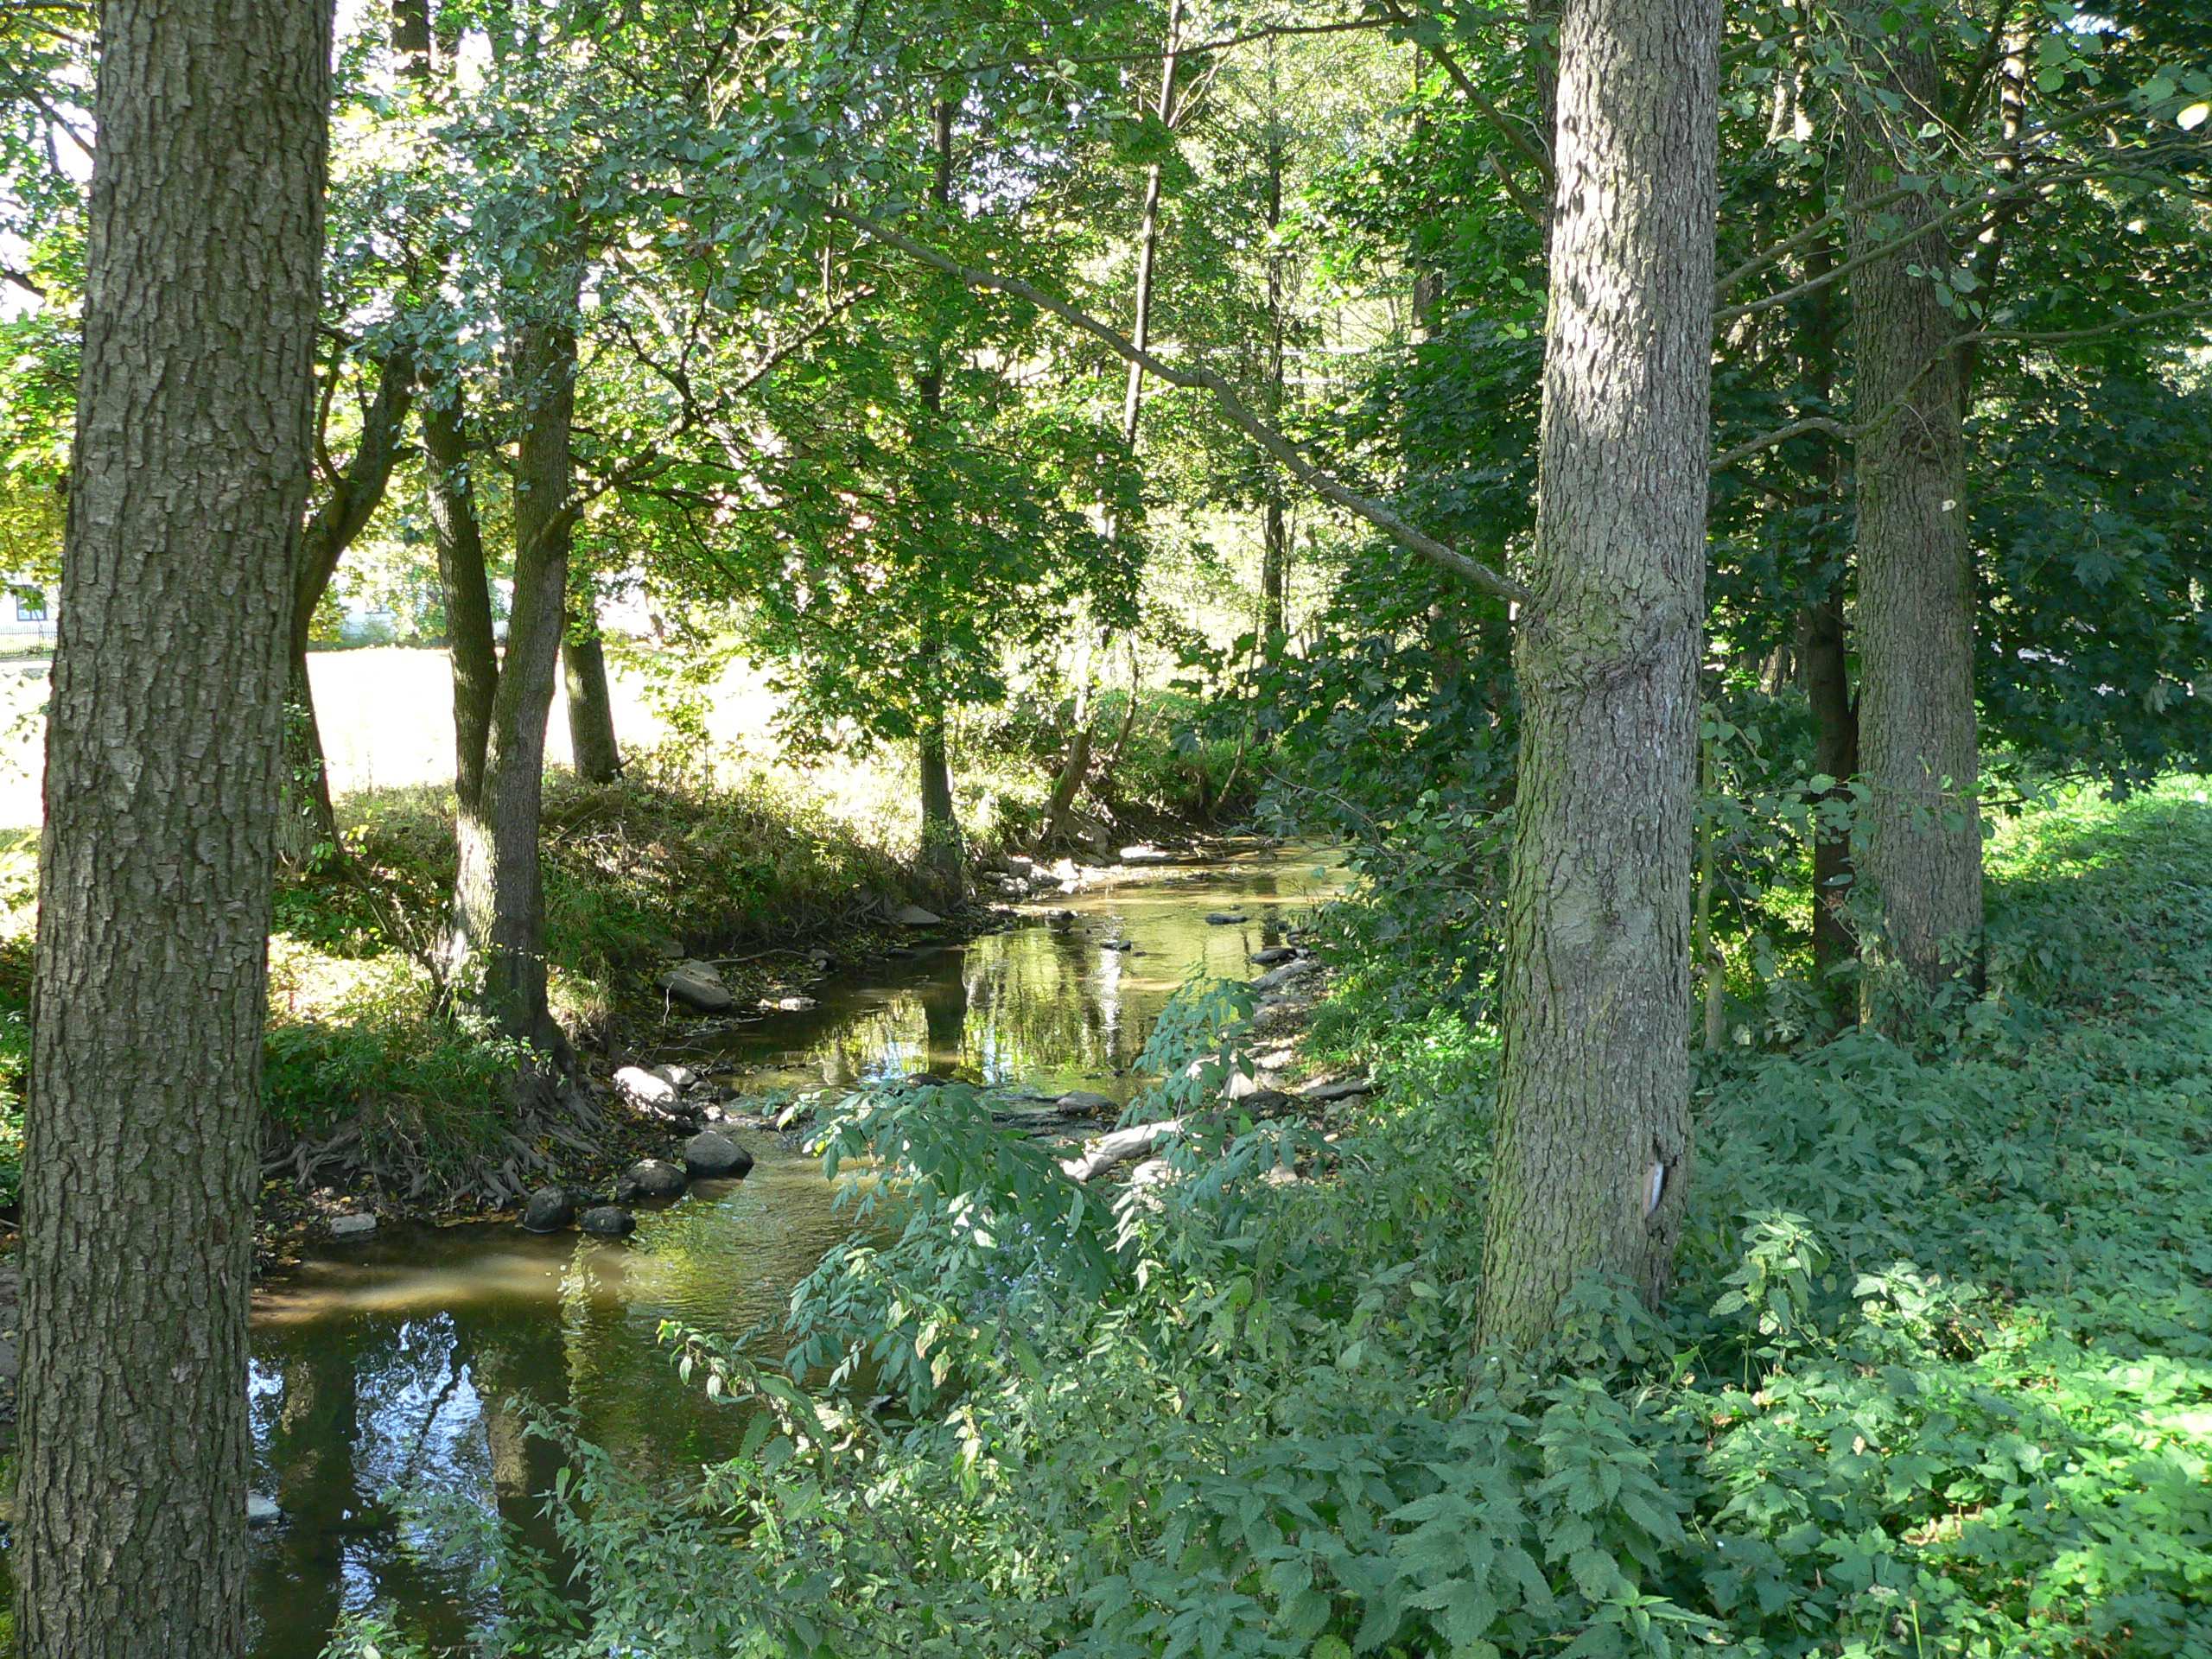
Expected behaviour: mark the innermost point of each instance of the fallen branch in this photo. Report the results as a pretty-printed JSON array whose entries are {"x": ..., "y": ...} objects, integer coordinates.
[{"x": 1120, "y": 1146}]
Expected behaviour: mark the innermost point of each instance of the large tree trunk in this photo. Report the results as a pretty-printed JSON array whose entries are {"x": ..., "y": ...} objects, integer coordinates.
[
  {"x": 1593, "y": 1128},
  {"x": 309, "y": 828},
  {"x": 499, "y": 908},
  {"x": 163, "y": 748},
  {"x": 1916, "y": 583},
  {"x": 591, "y": 705}
]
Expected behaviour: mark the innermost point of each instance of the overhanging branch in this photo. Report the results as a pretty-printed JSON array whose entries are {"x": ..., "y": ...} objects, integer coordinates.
[{"x": 1196, "y": 378}]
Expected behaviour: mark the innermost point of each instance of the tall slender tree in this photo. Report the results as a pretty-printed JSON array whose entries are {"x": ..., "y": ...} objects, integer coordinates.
[
  {"x": 591, "y": 702},
  {"x": 1919, "y": 752},
  {"x": 164, "y": 741},
  {"x": 1593, "y": 1129}
]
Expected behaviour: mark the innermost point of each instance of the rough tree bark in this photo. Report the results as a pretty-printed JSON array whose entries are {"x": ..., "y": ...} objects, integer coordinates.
[
  {"x": 1918, "y": 751},
  {"x": 163, "y": 750},
  {"x": 1075, "y": 767},
  {"x": 591, "y": 704},
  {"x": 458, "y": 534},
  {"x": 310, "y": 829},
  {"x": 1824, "y": 668},
  {"x": 495, "y": 945},
  {"x": 498, "y": 946},
  {"x": 1592, "y": 1161}
]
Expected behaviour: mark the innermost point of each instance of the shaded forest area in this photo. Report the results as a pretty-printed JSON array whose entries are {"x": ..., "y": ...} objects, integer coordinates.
[{"x": 1703, "y": 509}]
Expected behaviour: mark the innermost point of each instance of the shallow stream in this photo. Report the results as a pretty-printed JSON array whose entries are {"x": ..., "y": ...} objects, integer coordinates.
[{"x": 388, "y": 1362}]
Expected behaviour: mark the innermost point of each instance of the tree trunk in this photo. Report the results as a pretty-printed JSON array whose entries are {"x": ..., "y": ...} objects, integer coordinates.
[
  {"x": 163, "y": 750},
  {"x": 1825, "y": 664},
  {"x": 459, "y": 536},
  {"x": 1274, "y": 531},
  {"x": 1059, "y": 809},
  {"x": 1275, "y": 568},
  {"x": 591, "y": 706},
  {"x": 499, "y": 911},
  {"x": 941, "y": 858},
  {"x": 944, "y": 861},
  {"x": 309, "y": 834},
  {"x": 307, "y": 829},
  {"x": 1916, "y": 583},
  {"x": 1593, "y": 1129}
]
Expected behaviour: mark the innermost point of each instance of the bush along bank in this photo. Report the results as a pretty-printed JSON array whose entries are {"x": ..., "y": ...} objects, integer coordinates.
[{"x": 1937, "y": 1377}]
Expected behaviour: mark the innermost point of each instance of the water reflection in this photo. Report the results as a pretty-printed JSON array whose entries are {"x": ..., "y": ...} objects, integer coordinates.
[{"x": 395, "y": 1362}]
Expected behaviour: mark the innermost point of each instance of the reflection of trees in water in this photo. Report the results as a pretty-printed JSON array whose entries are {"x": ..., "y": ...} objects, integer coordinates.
[
  {"x": 350, "y": 1402},
  {"x": 348, "y": 1408},
  {"x": 1039, "y": 1001}
]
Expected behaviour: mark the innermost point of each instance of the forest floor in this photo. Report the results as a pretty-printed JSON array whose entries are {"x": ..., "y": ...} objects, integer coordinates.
[{"x": 1937, "y": 1374}]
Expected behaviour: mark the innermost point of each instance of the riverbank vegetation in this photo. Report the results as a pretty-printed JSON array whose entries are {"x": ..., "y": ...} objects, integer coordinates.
[
  {"x": 1704, "y": 505},
  {"x": 1932, "y": 1379}
]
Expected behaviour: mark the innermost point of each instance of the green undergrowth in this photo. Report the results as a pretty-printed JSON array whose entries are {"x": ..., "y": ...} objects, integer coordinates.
[
  {"x": 630, "y": 867},
  {"x": 1936, "y": 1379}
]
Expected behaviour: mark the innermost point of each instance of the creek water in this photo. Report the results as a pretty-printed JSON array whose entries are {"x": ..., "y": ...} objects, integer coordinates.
[{"x": 390, "y": 1362}]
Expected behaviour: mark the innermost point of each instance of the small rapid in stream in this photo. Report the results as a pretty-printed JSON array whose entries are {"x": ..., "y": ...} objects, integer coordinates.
[{"x": 388, "y": 1362}]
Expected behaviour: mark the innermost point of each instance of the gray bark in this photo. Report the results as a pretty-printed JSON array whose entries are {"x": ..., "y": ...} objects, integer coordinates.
[
  {"x": 591, "y": 704},
  {"x": 1919, "y": 756},
  {"x": 163, "y": 752},
  {"x": 1593, "y": 1152},
  {"x": 497, "y": 947},
  {"x": 459, "y": 536}
]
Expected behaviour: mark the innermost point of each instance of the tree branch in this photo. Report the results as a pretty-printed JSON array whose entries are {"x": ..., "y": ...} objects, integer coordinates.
[
  {"x": 1473, "y": 94},
  {"x": 2061, "y": 336},
  {"x": 1197, "y": 378},
  {"x": 1834, "y": 428},
  {"x": 643, "y": 465},
  {"x": 1269, "y": 32}
]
